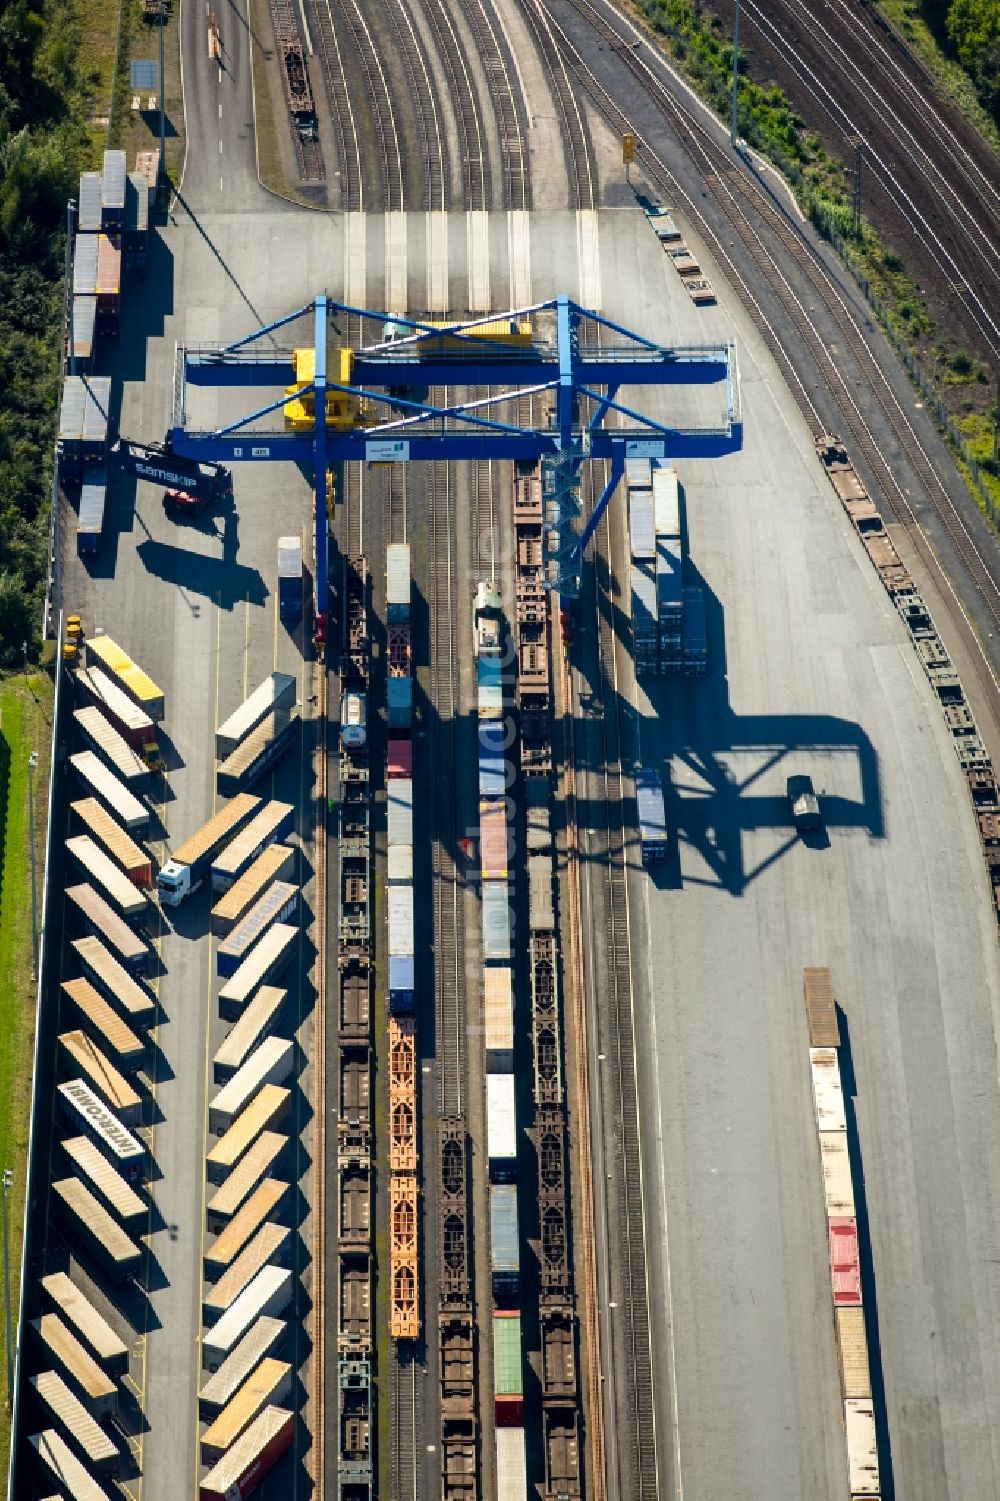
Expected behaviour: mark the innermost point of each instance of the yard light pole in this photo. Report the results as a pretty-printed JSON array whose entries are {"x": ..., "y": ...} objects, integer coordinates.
[
  {"x": 32, "y": 765},
  {"x": 736, "y": 73},
  {"x": 7, "y": 1182},
  {"x": 163, "y": 165}
]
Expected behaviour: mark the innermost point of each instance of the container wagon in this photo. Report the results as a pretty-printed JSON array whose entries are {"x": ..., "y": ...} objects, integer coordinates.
[
  {"x": 272, "y": 1243},
  {"x": 276, "y": 692},
  {"x": 90, "y": 514},
  {"x": 653, "y": 836},
  {"x": 508, "y": 1372},
  {"x": 290, "y": 582},
  {"x": 489, "y": 688},
  {"x": 87, "y": 1113},
  {"x": 104, "y": 970},
  {"x": 108, "y": 1185},
  {"x": 263, "y": 964},
  {"x": 105, "y": 1022},
  {"x": 271, "y": 1063},
  {"x": 267, "y": 1295},
  {"x": 228, "y": 1199},
  {"x": 501, "y": 1127},
  {"x": 97, "y": 1392},
  {"x": 190, "y": 862},
  {"x": 276, "y": 863},
  {"x": 260, "y": 1342},
  {"x": 98, "y": 780},
  {"x": 105, "y": 1237},
  {"x": 263, "y": 1113},
  {"x": 133, "y": 724},
  {"x": 57, "y": 1460},
  {"x": 251, "y": 1458},
  {"x": 262, "y": 749},
  {"x": 136, "y": 864},
  {"x": 101, "y": 736},
  {"x": 87, "y": 1324},
  {"x": 266, "y": 1201},
  {"x": 269, "y": 1385},
  {"x": 274, "y": 822},
  {"x": 249, "y": 1032},
  {"x": 100, "y": 1453},
  {"x": 81, "y": 1054},
  {"x": 127, "y": 946},
  {"x": 107, "y": 878},
  {"x": 493, "y": 759}
]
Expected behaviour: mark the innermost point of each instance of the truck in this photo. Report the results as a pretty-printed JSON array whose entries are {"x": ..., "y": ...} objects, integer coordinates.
[
  {"x": 260, "y": 750},
  {"x": 132, "y": 723},
  {"x": 290, "y": 589},
  {"x": 487, "y": 620},
  {"x": 188, "y": 866}
]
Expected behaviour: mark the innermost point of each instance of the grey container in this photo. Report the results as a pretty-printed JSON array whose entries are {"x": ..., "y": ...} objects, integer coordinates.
[
  {"x": 643, "y": 601},
  {"x": 401, "y": 920},
  {"x": 399, "y": 697},
  {"x": 669, "y": 577},
  {"x": 651, "y": 815},
  {"x": 85, "y": 265},
  {"x": 640, "y": 523},
  {"x": 496, "y": 920},
  {"x": 397, "y": 582},
  {"x": 504, "y": 1250},
  {"x": 113, "y": 190},
  {"x": 541, "y": 917},
  {"x": 400, "y": 810},
  {"x": 695, "y": 631},
  {"x": 638, "y": 473},
  {"x": 88, "y": 214},
  {"x": 82, "y": 325},
  {"x": 90, "y": 522},
  {"x": 136, "y": 205}
]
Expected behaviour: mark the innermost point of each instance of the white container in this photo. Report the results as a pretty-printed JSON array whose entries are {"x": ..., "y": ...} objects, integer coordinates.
[
  {"x": 862, "y": 1449},
  {"x": 264, "y": 963},
  {"x": 267, "y": 1295},
  {"x": 401, "y": 920},
  {"x": 105, "y": 785},
  {"x": 838, "y": 1186},
  {"x": 277, "y": 691},
  {"x": 400, "y": 863},
  {"x": 399, "y": 798},
  {"x": 259, "y": 1341},
  {"x": 271, "y": 1063},
  {"x": 501, "y": 1121},
  {"x": 512, "y": 1474},
  {"x": 107, "y": 877},
  {"x": 666, "y": 503},
  {"x": 66, "y": 1470},
  {"x": 828, "y": 1095}
]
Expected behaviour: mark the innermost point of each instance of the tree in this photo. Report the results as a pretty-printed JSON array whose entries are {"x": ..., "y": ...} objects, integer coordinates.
[{"x": 974, "y": 29}]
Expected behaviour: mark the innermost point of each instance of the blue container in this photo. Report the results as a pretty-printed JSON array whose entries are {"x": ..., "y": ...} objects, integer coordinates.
[
  {"x": 400, "y": 984},
  {"x": 399, "y": 694},
  {"x": 505, "y": 1255},
  {"x": 492, "y": 778},
  {"x": 90, "y": 523},
  {"x": 289, "y": 578}
]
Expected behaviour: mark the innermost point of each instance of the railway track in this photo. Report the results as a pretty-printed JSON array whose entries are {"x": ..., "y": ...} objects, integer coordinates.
[
  {"x": 404, "y": 1424},
  {"x": 507, "y": 107},
  {"x": 742, "y": 198},
  {"x": 431, "y": 133},
  {"x": 341, "y": 113},
  {"x": 476, "y": 176},
  {"x": 576, "y": 136}
]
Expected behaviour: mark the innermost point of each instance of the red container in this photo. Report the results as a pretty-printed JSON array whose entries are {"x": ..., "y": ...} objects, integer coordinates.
[
  {"x": 400, "y": 758},
  {"x": 509, "y": 1412},
  {"x": 109, "y": 270},
  {"x": 493, "y": 841},
  {"x": 845, "y": 1264}
]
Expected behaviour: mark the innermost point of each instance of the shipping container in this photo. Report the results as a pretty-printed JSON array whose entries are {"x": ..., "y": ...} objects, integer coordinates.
[
  {"x": 266, "y": 1296},
  {"x": 81, "y": 1055},
  {"x": 489, "y": 687},
  {"x": 108, "y": 879},
  {"x": 59, "y": 1462},
  {"x": 666, "y": 502},
  {"x": 272, "y": 1243},
  {"x": 821, "y": 1008},
  {"x": 838, "y": 1185},
  {"x": 252, "y": 1457},
  {"x": 90, "y": 513},
  {"x": 862, "y": 1447},
  {"x": 669, "y": 581},
  {"x": 399, "y": 702},
  {"x": 512, "y": 1472},
  {"x": 498, "y": 1009},
  {"x": 399, "y": 802},
  {"x": 401, "y": 970},
  {"x": 115, "y": 796},
  {"x": 85, "y": 266},
  {"x": 694, "y": 631},
  {"x": 505, "y": 1257},
  {"x": 82, "y": 333},
  {"x": 101, "y": 736},
  {"x": 638, "y": 474},
  {"x": 493, "y": 854},
  {"x": 100, "y": 1230},
  {"x": 290, "y": 582},
  {"x": 399, "y": 864},
  {"x": 88, "y": 209},
  {"x": 263, "y": 1113},
  {"x": 136, "y": 238},
  {"x": 96, "y": 1390},
  {"x": 508, "y": 1375},
  {"x": 104, "y": 1021},
  {"x": 273, "y": 823},
  {"x": 132, "y": 723},
  {"x": 114, "y": 981},
  {"x": 845, "y": 1264},
  {"x": 108, "y": 1185},
  {"x": 262, "y": 1340},
  {"x": 200, "y": 849},
  {"x": 400, "y": 758},
  {"x": 83, "y": 425},
  {"x": 109, "y": 275},
  {"x": 265, "y": 1203},
  {"x": 244, "y": 1180},
  {"x": 88, "y": 1113},
  {"x": 147, "y": 163},
  {"x": 263, "y": 964},
  {"x": 495, "y": 769},
  {"x": 100, "y": 918},
  {"x": 852, "y": 1345},
  {"x": 642, "y": 537},
  {"x": 496, "y": 920},
  {"x": 269, "y": 1385},
  {"x": 828, "y": 1095},
  {"x": 271, "y": 1063},
  {"x": 109, "y": 656},
  {"x": 100, "y": 1453},
  {"x": 541, "y": 915},
  {"x": 256, "y": 1023},
  {"x": 501, "y": 1127},
  {"x": 136, "y": 864},
  {"x": 651, "y": 814},
  {"x": 274, "y": 863},
  {"x": 87, "y": 1324},
  {"x": 277, "y": 905},
  {"x": 644, "y": 626},
  {"x": 397, "y": 583},
  {"x": 275, "y": 693},
  {"x": 262, "y": 749},
  {"x": 113, "y": 191},
  {"x": 400, "y": 920}
]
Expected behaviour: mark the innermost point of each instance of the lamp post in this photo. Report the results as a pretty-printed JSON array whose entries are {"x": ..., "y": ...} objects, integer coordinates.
[
  {"x": 32, "y": 766},
  {"x": 736, "y": 73},
  {"x": 7, "y": 1182}
]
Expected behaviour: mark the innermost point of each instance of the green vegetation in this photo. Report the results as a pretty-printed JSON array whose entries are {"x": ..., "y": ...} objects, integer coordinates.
[
  {"x": 929, "y": 41},
  {"x": 25, "y": 725}
]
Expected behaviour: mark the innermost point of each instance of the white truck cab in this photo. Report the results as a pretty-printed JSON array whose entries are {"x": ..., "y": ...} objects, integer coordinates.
[{"x": 173, "y": 882}]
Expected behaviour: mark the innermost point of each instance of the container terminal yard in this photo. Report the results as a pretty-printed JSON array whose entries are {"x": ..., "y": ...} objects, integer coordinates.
[{"x": 519, "y": 977}]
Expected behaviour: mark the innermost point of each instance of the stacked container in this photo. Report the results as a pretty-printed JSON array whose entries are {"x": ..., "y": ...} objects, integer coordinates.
[
  {"x": 83, "y": 425},
  {"x": 642, "y": 554},
  {"x": 113, "y": 192},
  {"x": 669, "y": 568},
  {"x": 399, "y": 691},
  {"x": 695, "y": 633},
  {"x": 136, "y": 236},
  {"x": 399, "y": 687}
]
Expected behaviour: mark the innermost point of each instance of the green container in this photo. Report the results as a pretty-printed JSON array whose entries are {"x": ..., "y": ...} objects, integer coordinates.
[{"x": 507, "y": 1375}]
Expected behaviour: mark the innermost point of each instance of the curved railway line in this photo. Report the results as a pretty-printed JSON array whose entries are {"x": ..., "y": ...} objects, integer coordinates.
[
  {"x": 508, "y": 107},
  {"x": 472, "y": 132},
  {"x": 580, "y": 164},
  {"x": 345, "y": 128}
]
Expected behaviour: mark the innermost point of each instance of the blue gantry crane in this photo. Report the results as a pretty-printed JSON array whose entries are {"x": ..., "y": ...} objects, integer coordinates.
[{"x": 376, "y": 404}]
